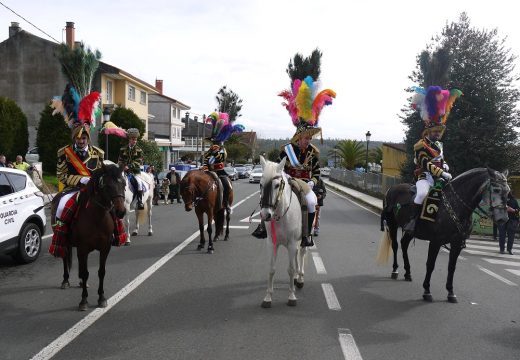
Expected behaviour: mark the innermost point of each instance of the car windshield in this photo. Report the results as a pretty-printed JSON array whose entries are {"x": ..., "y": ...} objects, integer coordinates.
[
  {"x": 240, "y": 168},
  {"x": 229, "y": 169},
  {"x": 257, "y": 171}
]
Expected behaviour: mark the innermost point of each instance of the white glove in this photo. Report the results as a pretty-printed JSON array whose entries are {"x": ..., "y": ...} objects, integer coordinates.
[
  {"x": 84, "y": 180},
  {"x": 311, "y": 184},
  {"x": 446, "y": 176},
  {"x": 445, "y": 167}
]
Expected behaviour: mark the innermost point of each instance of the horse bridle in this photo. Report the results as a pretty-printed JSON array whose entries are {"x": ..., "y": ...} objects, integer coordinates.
[
  {"x": 264, "y": 203},
  {"x": 109, "y": 208},
  {"x": 196, "y": 199}
]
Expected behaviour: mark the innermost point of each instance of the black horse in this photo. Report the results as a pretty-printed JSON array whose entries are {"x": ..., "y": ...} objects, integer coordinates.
[{"x": 459, "y": 199}]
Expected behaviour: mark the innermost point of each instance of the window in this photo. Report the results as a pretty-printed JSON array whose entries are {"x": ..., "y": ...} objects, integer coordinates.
[
  {"x": 18, "y": 181},
  {"x": 5, "y": 187},
  {"x": 131, "y": 93},
  {"x": 143, "y": 98},
  {"x": 108, "y": 96}
]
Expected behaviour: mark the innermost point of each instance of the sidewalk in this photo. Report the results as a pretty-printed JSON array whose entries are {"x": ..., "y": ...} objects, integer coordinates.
[{"x": 376, "y": 204}]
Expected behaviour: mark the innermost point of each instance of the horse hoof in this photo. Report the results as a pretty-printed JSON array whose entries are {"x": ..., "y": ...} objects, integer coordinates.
[
  {"x": 200, "y": 247},
  {"x": 291, "y": 302},
  {"x": 299, "y": 285},
  {"x": 128, "y": 243},
  {"x": 150, "y": 233},
  {"x": 83, "y": 306},
  {"x": 266, "y": 304},
  {"x": 65, "y": 285},
  {"x": 452, "y": 299},
  {"x": 394, "y": 275},
  {"x": 81, "y": 284},
  {"x": 215, "y": 239},
  {"x": 134, "y": 233},
  {"x": 102, "y": 303},
  {"x": 408, "y": 278},
  {"x": 211, "y": 251},
  {"x": 226, "y": 238},
  {"x": 427, "y": 297}
]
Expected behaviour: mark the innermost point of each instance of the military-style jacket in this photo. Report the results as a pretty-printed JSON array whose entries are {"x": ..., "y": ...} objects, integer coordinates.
[
  {"x": 69, "y": 169},
  {"x": 215, "y": 158},
  {"x": 131, "y": 157},
  {"x": 429, "y": 158},
  {"x": 302, "y": 165}
]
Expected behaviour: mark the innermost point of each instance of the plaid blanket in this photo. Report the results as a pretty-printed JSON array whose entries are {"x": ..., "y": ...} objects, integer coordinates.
[{"x": 60, "y": 239}]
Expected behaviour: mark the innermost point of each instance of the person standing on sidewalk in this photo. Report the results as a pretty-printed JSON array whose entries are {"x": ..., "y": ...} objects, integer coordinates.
[
  {"x": 174, "y": 185},
  {"x": 434, "y": 105},
  {"x": 509, "y": 228},
  {"x": 320, "y": 191}
]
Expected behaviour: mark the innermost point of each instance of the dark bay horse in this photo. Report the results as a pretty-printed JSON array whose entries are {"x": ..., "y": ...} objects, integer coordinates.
[
  {"x": 199, "y": 191},
  {"x": 460, "y": 198},
  {"x": 93, "y": 228}
]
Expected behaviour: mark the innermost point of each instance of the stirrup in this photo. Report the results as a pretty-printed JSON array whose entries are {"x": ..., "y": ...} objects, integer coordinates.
[
  {"x": 307, "y": 241},
  {"x": 260, "y": 232}
]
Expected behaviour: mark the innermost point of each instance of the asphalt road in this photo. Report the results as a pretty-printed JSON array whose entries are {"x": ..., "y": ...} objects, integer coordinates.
[{"x": 169, "y": 301}]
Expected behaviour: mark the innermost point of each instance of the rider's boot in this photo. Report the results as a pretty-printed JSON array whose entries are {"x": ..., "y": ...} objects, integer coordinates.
[
  {"x": 140, "y": 205},
  {"x": 260, "y": 232},
  {"x": 409, "y": 227},
  {"x": 307, "y": 239}
]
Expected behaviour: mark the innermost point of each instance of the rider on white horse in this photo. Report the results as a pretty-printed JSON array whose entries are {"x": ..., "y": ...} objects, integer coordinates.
[{"x": 131, "y": 157}]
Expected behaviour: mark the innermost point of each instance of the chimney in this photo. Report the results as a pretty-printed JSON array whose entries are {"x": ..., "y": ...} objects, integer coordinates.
[
  {"x": 14, "y": 28},
  {"x": 158, "y": 85},
  {"x": 69, "y": 34}
]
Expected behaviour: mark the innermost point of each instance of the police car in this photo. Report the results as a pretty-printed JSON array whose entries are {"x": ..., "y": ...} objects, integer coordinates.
[{"x": 22, "y": 216}]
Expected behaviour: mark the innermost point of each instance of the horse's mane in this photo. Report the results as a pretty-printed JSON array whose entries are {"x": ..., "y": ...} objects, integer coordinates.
[
  {"x": 270, "y": 169},
  {"x": 470, "y": 173}
]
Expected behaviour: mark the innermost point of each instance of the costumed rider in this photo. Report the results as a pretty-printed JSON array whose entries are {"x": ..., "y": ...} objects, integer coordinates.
[
  {"x": 304, "y": 103},
  {"x": 434, "y": 105},
  {"x": 215, "y": 157},
  {"x": 131, "y": 158},
  {"x": 76, "y": 163}
]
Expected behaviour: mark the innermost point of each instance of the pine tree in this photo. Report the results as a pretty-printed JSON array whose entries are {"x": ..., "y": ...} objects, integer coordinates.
[{"x": 14, "y": 136}]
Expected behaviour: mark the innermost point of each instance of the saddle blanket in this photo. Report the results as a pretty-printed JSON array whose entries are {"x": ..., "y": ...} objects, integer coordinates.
[
  {"x": 431, "y": 205},
  {"x": 143, "y": 185}
]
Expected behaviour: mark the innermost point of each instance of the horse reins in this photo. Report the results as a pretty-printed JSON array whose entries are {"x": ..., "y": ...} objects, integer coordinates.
[
  {"x": 197, "y": 199},
  {"x": 264, "y": 203}
]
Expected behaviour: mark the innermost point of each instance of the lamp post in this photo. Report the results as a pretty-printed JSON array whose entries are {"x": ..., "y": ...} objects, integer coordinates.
[
  {"x": 196, "y": 118},
  {"x": 106, "y": 118},
  {"x": 367, "y": 135}
]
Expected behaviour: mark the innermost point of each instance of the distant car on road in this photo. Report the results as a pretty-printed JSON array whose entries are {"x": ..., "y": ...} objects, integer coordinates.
[
  {"x": 256, "y": 175},
  {"x": 32, "y": 155},
  {"x": 232, "y": 173},
  {"x": 242, "y": 172},
  {"x": 325, "y": 171},
  {"x": 22, "y": 217}
]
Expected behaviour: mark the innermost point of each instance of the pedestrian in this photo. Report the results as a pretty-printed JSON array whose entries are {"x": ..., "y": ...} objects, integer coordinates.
[
  {"x": 320, "y": 191},
  {"x": 175, "y": 183},
  {"x": 21, "y": 165},
  {"x": 510, "y": 227},
  {"x": 3, "y": 161}
]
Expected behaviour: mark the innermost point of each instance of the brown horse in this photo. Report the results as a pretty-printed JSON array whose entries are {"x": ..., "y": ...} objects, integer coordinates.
[
  {"x": 93, "y": 228},
  {"x": 199, "y": 190}
]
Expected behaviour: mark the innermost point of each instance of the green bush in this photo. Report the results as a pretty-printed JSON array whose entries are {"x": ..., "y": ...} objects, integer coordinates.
[
  {"x": 14, "y": 135},
  {"x": 151, "y": 153},
  {"x": 53, "y": 134}
]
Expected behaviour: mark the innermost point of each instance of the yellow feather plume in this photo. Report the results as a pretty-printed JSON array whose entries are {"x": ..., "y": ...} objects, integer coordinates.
[
  {"x": 304, "y": 102},
  {"x": 454, "y": 95}
]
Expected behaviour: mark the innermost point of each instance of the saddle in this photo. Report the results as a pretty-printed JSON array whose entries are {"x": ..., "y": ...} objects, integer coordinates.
[
  {"x": 55, "y": 202},
  {"x": 300, "y": 188},
  {"x": 220, "y": 188},
  {"x": 431, "y": 203}
]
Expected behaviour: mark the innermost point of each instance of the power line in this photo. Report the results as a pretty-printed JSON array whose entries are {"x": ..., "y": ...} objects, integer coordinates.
[{"x": 20, "y": 16}]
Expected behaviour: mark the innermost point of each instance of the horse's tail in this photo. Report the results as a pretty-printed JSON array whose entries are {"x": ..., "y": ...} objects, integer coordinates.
[
  {"x": 141, "y": 214},
  {"x": 219, "y": 221},
  {"x": 384, "y": 248}
]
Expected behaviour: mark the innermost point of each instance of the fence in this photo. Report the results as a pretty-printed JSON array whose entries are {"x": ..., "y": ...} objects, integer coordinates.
[{"x": 375, "y": 183}]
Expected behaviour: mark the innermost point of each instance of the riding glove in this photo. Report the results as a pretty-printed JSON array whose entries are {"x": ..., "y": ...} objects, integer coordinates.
[
  {"x": 446, "y": 176},
  {"x": 84, "y": 180}
]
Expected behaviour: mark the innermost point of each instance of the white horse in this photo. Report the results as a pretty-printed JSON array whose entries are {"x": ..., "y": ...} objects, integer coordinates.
[
  {"x": 130, "y": 204},
  {"x": 281, "y": 211}
]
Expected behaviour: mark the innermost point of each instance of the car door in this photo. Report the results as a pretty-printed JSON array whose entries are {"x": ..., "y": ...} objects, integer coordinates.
[{"x": 8, "y": 211}]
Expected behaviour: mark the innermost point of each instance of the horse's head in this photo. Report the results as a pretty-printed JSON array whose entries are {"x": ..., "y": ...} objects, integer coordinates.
[
  {"x": 496, "y": 196},
  {"x": 108, "y": 183},
  {"x": 272, "y": 185},
  {"x": 188, "y": 188}
]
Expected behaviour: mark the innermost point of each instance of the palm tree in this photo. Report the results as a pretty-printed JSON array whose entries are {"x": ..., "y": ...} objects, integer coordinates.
[
  {"x": 351, "y": 153},
  {"x": 376, "y": 155}
]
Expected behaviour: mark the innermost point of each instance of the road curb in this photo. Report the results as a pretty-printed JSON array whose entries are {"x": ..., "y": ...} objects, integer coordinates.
[{"x": 355, "y": 199}]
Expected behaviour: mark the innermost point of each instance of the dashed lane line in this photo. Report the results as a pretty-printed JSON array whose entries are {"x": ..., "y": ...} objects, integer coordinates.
[
  {"x": 330, "y": 296},
  {"x": 318, "y": 264},
  {"x": 348, "y": 345},
  {"x": 496, "y": 276}
]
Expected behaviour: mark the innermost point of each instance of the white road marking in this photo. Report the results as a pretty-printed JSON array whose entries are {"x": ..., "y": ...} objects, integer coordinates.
[
  {"x": 482, "y": 242},
  {"x": 252, "y": 216},
  {"x": 447, "y": 251},
  {"x": 502, "y": 262},
  {"x": 496, "y": 276},
  {"x": 348, "y": 345},
  {"x": 63, "y": 340},
  {"x": 482, "y": 247},
  {"x": 318, "y": 263},
  {"x": 353, "y": 202},
  {"x": 46, "y": 236},
  {"x": 514, "y": 271},
  {"x": 497, "y": 255},
  {"x": 238, "y": 227},
  {"x": 330, "y": 296}
]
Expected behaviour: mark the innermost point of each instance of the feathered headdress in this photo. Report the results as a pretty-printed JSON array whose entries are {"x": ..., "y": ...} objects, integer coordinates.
[
  {"x": 223, "y": 128},
  {"x": 434, "y": 105}
]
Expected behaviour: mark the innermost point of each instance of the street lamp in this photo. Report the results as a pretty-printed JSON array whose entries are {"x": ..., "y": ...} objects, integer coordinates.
[
  {"x": 106, "y": 118},
  {"x": 196, "y": 118},
  {"x": 203, "y": 133},
  {"x": 367, "y": 135}
]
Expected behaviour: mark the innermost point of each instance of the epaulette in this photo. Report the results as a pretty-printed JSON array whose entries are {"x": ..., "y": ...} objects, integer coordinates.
[
  {"x": 418, "y": 145},
  {"x": 99, "y": 151},
  {"x": 61, "y": 152},
  {"x": 123, "y": 148}
]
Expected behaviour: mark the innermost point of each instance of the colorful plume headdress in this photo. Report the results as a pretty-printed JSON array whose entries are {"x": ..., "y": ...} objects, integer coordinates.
[
  {"x": 434, "y": 104},
  {"x": 223, "y": 127},
  {"x": 76, "y": 111}
]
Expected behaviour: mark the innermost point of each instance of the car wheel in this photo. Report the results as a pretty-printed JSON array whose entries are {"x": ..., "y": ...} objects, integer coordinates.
[{"x": 29, "y": 243}]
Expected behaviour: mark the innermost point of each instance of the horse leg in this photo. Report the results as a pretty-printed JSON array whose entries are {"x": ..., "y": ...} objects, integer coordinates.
[
  {"x": 228, "y": 219},
  {"x": 266, "y": 303},
  {"x": 83, "y": 274},
  {"x": 300, "y": 265},
  {"x": 150, "y": 230},
  {"x": 219, "y": 224},
  {"x": 405, "y": 241},
  {"x": 433, "y": 251},
  {"x": 454, "y": 254},
  {"x": 136, "y": 229},
  {"x": 67, "y": 264},
  {"x": 292, "y": 250},
  {"x": 103, "y": 254},
  {"x": 210, "y": 232},
  {"x": 127, "y": 223},
  {"x": 200, "y": 217},
  {"x": 395, "y": 249}
]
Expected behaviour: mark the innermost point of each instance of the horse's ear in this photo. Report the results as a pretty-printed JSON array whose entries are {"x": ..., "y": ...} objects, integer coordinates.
[
  {"x": 281, "y": 165},
  {"x": 262, "y": 161},
  {"x": 506, "y": 173}
]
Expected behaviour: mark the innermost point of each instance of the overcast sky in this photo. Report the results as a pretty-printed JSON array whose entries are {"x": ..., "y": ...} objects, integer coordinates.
[{"x": 196, "y": 46}]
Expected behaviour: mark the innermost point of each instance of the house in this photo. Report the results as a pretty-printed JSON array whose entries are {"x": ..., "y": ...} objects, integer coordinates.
[
  {"x": 31, "y": 75},
  {"x": 193, "y": 135},
  {"x": 394, "y": 156},
  {"x": 166, "y": 125}
]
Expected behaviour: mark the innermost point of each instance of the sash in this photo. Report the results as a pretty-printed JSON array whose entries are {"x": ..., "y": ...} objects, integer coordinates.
[
  {"x": 293, "y": 159},
  {"x": 80, "y": 167}
]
